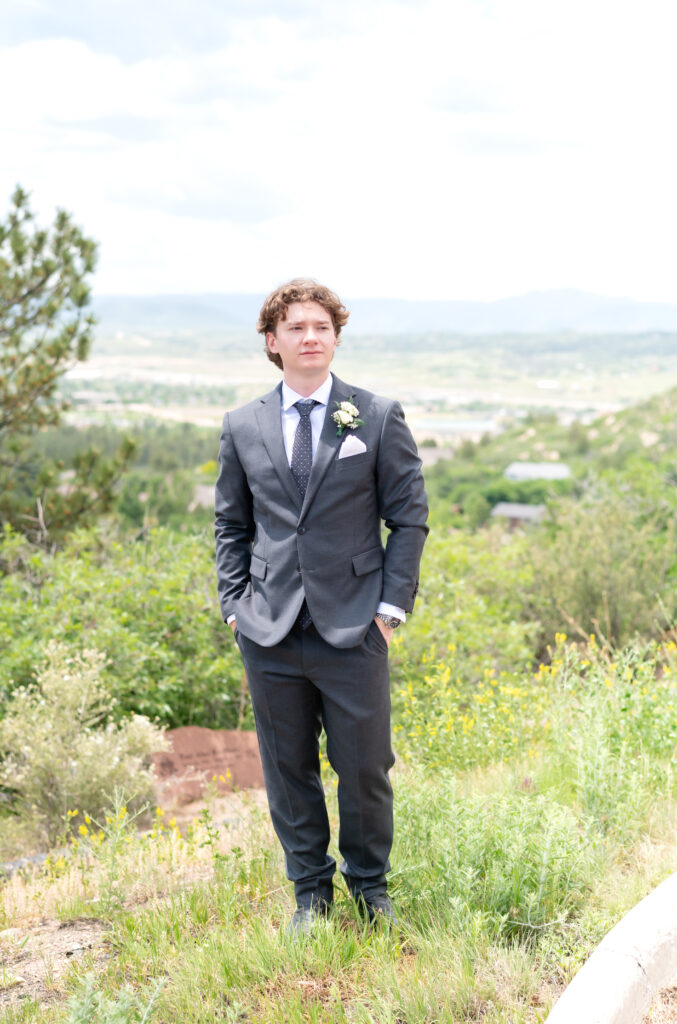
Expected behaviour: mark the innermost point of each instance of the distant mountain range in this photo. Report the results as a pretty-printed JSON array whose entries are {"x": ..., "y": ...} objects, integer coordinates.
[{"x": 536, "y": 312}]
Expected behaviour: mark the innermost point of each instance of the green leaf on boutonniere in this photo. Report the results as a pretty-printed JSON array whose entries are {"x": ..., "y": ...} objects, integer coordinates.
[{"x": 346, "y": 416}]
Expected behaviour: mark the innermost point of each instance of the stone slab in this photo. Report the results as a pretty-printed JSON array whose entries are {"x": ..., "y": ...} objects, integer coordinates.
[
  {"x": 609, "y": 989},
  {"x": 226, "y": 758},
  {"x": 635, "y": 960}
]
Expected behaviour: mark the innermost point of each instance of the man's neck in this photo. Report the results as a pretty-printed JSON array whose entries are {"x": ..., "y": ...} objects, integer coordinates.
[{"x": 303, "y": 385}]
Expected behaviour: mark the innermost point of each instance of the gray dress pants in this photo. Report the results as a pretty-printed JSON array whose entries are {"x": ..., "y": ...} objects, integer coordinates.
[{"x": 297, "y": 687}]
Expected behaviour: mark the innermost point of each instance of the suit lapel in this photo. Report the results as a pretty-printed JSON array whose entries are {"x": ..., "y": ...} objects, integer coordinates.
[
  {"x": 328, "y": 444},
  {"x": 269, "y": 419}
]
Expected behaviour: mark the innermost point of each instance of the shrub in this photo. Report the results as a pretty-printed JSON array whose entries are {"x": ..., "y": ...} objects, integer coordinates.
[
  {"x": 88, "y": 1004},
  {"x": 468, "y": 610},
  {"x": 520, "y": 860},
  {"x": 604, "y": 565},
  {"x": 149, "y": 604},
  {"x": 61, "y": 750},
  {"x": 596, "y": 730},
  {"x": 477, "y": 510},
  {"x": 614, "y": 728},
  {"x": 442, "y": 721}
]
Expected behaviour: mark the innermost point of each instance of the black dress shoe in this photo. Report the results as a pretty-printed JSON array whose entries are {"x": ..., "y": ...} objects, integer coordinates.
[
  {"x": 304, "y": 919},
  {"x": 379, "y": 908},
  {"x": 302, "y": 922}
]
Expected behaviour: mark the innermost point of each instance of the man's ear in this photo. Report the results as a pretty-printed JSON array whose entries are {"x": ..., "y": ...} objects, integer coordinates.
[{"x": 271, "y": 341}]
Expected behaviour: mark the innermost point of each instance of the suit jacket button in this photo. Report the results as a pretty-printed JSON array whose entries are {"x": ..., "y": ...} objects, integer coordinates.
[
  {"x": 300, "y": 529},
  {"x": 298, "y": 568}
]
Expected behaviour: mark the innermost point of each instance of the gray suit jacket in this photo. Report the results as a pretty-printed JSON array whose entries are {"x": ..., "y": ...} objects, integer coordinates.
[{"x": 272, "y": 547}]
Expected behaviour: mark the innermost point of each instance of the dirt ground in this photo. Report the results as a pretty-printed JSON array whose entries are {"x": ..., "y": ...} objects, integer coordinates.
[
  {"x": 663, "y": 1010},
  {"x": 33, "y": 960}
]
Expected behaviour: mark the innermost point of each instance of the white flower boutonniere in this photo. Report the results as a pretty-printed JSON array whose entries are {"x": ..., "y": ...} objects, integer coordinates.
[{"x": 346, "y": 416}]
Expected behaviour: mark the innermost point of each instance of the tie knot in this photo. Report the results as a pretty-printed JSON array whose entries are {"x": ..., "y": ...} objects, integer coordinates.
[{"x": 305, "y": 407}]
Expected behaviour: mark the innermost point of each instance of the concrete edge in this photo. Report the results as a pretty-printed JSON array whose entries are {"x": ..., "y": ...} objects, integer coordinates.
[{"x": 636, "y": 959}]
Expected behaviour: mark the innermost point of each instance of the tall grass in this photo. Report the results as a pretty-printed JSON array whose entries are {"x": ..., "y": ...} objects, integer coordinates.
[{"x": 509, "y": 865}]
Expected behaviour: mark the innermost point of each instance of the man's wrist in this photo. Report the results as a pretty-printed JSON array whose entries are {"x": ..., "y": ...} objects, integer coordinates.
[
  {"x": 391, "y": 611},
  {"x": 391, "y": 621}
]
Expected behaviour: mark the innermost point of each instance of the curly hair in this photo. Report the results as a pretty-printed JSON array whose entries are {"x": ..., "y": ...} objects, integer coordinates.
[{"x": 301, "y": 289}]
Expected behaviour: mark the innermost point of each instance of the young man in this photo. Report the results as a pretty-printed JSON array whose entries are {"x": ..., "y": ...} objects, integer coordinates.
[{"x": 307, "y": 474}]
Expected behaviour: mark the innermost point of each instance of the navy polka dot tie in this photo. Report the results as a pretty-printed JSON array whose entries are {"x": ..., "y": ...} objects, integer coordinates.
[
  {"x": 301, "y": 461},
  {"x": 302, "y": 451}
]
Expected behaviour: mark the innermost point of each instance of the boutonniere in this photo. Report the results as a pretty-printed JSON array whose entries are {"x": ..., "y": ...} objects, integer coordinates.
[{"x": 346, "y": 416}]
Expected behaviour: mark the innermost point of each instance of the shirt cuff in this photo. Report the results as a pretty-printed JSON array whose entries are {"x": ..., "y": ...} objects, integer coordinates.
[
  {"x": 231, "y": 618},
  {"x": 391, "y": 609}
]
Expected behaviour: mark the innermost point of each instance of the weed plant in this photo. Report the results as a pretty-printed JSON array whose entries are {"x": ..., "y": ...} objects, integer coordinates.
[
  {"x": 595, "y": 723},
  {"x": 62, "y": 750}
]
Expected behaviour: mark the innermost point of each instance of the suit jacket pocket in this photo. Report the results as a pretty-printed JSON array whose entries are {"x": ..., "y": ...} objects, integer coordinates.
[
  {"x": 258, "y": 567},
  {"x": 368, "y": 561},
  {"x": 352, "y": 462}
]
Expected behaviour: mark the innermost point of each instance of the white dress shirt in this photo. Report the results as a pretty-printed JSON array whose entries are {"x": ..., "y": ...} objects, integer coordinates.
[
  {"x": 290, "y": 421},
  {"x": 291, "y": 416}
]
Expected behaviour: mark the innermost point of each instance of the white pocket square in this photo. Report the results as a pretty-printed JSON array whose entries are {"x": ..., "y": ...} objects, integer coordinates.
[{"x": 351, "y": 446}]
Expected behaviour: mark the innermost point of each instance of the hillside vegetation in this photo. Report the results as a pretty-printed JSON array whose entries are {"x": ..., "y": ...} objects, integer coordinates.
[
  {"x": 635, "y": 447},
  {"x": 534, "y": 713}
]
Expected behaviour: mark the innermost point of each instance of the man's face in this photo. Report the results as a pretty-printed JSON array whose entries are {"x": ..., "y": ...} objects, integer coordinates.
[{"x": 305, "y": 340}]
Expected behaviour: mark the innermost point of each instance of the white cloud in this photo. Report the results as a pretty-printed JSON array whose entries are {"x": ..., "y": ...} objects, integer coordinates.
[{"x": 458, "y": 149}]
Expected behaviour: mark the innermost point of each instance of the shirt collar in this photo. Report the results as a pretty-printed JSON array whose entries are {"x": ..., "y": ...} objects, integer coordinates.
[{"x": 320, "y": 395}]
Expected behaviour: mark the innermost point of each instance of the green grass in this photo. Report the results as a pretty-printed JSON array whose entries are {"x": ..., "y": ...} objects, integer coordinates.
[
  {"x": 501, "y": 891},
  {"x": 507, "y": 869}
]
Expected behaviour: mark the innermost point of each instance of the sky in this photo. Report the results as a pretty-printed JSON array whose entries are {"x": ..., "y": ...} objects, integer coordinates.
[{"x": 437, "y": 149}]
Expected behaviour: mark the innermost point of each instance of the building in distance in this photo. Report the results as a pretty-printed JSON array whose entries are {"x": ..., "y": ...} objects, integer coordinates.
[
  {"x": 518, "y": 514},
  {"x": 537, "y": 471}
]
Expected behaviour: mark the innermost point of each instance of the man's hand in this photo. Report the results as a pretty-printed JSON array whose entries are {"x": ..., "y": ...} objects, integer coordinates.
[
  {"x": 233, "y": 624},
  {"x": 385, "y": 630}
]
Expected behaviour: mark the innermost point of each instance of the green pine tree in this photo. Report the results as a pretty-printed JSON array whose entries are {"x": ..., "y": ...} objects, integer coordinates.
[{"x": 45, "y": 328}]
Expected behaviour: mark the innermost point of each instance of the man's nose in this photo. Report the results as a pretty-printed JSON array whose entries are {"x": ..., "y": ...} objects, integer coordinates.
[{"x": 310, "y": 334}]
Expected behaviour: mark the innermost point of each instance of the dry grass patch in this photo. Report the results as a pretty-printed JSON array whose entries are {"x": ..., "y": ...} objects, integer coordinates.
[
  {"x": 35, "y": 962},
  {"x": 663, "y": 1010},
  {"x": 179, "y": 850}
]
